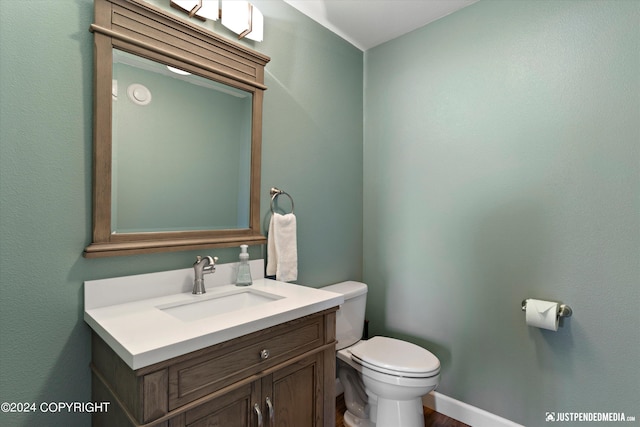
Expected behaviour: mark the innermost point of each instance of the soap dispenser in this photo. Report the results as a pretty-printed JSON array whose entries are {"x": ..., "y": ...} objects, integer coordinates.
[{"x": 244, "y": 272}]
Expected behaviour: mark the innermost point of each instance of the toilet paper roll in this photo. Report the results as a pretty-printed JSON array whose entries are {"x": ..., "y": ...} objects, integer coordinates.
[{"x": 542, "y": 314}]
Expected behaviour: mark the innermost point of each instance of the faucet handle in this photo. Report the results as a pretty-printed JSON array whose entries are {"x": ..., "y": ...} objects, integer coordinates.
[
  {"x": 211, "y": 267},
  {"x": 211, "y": 262}
]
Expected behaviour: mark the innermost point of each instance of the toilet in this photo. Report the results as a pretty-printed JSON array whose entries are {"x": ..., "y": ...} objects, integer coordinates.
[{"x": 383, "y": 378}]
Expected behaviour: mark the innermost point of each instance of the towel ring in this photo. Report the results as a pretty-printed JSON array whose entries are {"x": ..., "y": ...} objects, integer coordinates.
[{"x": 275, "y": 192}]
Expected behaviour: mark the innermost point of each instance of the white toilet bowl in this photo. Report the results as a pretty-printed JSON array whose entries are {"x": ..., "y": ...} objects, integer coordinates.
[
  {"x": 384, "y": 379},
  {"x": 395, "y": 375}
]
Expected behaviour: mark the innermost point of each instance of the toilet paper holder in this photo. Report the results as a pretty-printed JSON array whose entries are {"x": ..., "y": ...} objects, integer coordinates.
[{"x": 563, "y": 309}]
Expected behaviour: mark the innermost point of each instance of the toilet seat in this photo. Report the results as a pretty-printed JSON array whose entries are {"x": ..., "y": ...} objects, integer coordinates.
[{"x": 395, "y": 357}]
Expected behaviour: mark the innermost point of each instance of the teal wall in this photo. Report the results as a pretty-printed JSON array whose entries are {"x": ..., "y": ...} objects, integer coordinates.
[
  {"x": 312, "y": 148},
  {"x": 502, "y": 162}
]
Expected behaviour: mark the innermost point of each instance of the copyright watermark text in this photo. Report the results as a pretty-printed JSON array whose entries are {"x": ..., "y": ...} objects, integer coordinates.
[
  {"x": 55, "y": 407},
  {"x": 552, "y": 417}
]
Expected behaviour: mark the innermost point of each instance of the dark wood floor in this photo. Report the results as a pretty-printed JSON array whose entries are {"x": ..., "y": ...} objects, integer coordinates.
[{"x": 431, "y": 418}]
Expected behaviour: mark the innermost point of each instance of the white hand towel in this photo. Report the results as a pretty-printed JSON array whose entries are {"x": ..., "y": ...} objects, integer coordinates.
[
  {"x": 271, "y": 250},
  {"x": 282, "y": 248}
]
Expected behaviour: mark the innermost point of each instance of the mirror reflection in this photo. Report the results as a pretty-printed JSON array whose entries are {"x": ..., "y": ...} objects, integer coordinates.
[{"x": 181, "y": 150}]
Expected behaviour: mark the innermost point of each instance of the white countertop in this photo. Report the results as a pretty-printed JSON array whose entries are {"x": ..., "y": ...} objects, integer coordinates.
[{"x": 142, "y": 334}]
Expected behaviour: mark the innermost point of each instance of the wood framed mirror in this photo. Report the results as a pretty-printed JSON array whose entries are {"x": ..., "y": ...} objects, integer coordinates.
[{"x": 135, "y": 166}]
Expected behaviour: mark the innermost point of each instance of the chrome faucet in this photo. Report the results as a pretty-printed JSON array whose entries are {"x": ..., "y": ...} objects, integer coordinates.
[{"x": 201, "y": 267}]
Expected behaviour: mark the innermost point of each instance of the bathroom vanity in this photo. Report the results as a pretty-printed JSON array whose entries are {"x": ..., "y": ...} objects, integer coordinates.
[
  {"x": 267, "y": 360},
  {"x": 263, "y": 355}
]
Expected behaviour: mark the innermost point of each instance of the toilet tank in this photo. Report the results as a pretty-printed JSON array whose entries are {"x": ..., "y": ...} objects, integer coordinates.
[{"x": 350, "y": 316}]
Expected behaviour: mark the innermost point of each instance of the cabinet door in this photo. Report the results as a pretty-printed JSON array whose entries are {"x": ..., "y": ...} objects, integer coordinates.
[
  {"x": 234, "y": 409},
  {"x": 293, "y": 396}
]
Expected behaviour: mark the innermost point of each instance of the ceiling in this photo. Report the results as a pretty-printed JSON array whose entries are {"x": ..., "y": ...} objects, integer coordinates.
[{"x": 368, "y": 23}]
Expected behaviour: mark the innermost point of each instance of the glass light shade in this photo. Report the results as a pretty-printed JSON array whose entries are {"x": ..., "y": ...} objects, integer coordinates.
[
  {"x": 257, "y": 26},
  {"x": 235, "y": 16},
  {"x": 209, "y": 9}
]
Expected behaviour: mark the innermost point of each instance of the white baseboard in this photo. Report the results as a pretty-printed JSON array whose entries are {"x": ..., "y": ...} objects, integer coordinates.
[{"x": 463, "y": 412}]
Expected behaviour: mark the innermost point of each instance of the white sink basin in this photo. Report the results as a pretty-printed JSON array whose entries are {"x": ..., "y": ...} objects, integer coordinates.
[{"x": 201, "y": 306}]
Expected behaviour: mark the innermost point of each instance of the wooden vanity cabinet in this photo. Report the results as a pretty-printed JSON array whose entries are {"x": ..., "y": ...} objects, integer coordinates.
[{"x": 279, "y": 376}]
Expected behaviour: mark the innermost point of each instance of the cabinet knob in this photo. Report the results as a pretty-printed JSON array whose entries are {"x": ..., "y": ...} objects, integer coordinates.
[{"x": 264, "y": 354}]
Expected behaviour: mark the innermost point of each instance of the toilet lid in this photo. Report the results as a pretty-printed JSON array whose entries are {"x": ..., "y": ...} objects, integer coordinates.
[{"x": 395, "y": 356}]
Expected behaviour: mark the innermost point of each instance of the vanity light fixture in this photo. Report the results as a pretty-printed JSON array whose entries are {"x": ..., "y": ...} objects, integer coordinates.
[
  {"x": 240, "y": 16},
  {"x": 201, "y": 9}
]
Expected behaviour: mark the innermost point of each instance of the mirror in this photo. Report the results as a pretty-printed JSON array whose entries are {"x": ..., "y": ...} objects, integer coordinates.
[{"x": 177, "y": 134}]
